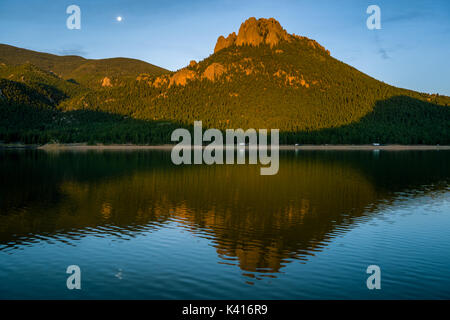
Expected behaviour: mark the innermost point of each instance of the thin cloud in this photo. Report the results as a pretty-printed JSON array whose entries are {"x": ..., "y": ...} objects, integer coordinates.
[
  {"x": 407, "y": 16},
  {"x": 72, "y": 51},
  {"x": 382, "y": 51}
]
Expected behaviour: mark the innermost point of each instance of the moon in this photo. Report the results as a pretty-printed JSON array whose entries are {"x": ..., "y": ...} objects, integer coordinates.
[{"x": 119, "y": 18}]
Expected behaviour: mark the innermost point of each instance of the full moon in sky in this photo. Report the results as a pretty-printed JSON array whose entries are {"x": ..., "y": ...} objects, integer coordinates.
[{"x": 119, "y": 18}]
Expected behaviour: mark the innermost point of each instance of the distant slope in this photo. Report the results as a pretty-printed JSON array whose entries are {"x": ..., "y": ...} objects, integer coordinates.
[
  {"x": 114, "y": 68},
  {"x": 87, "y": 71},
  {"x": 61, "y": 65}
]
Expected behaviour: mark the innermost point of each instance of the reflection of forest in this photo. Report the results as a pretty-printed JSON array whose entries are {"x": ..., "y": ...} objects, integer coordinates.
[{"x": 255, "y": 221}]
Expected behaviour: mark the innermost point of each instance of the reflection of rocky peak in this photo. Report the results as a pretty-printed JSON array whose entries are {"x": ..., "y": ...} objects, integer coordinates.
[
  {"x": 255, "y": 32},
  {"x": 259, "y": 225}
]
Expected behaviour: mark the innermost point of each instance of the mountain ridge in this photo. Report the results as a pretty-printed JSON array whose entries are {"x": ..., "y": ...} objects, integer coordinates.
[{"x": 261, "y": 77}]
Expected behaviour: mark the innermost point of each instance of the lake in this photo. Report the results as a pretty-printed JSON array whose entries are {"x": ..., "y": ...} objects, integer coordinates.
[{"x": 140, "y": 227}]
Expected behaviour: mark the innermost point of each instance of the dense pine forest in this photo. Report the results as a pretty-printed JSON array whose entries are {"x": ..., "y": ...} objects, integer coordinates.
[{"x": 294, "y": 85}]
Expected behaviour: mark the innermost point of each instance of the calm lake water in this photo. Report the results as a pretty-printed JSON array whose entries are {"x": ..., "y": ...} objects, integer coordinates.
[{"x": 140, "y": 227}]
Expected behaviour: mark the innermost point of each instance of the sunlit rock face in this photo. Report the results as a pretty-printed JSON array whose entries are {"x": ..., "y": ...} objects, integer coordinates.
[
  {"x": 181, "y": 77},
  {"x": 106, "y": 82},
  {"x": 223, "y": 42},
  {"x": 214, "y": 71},
  {"x": 255, "y": 32}
]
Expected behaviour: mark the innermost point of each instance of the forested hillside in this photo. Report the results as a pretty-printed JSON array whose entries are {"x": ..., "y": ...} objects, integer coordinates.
[{"x": 262, "y": 77}]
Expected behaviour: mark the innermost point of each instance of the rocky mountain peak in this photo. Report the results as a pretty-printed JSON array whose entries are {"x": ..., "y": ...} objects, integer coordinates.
[{"x": 254, "y": 32}]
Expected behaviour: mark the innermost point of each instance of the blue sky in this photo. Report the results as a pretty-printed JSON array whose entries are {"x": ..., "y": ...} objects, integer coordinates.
[{"x": 411, "y": 50}]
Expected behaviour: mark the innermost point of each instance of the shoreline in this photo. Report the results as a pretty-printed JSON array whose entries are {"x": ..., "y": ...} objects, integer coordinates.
[{"x": 131, "y": 147}]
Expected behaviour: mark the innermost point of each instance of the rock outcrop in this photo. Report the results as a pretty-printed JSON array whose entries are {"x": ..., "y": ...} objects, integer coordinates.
[
  {"x": 255, "y": 32},
  {"x": 214, "y": 71},
  {"x": 223, "y": 42},
  {"x": 143, "y": 77},
  {"x": 292, "y": 80},
  {"x": 181, "y": 77},
  {"x": 159, "y": 82},
  {"x": 106, "y": 82},
  {"x": 311, "y": 43}
]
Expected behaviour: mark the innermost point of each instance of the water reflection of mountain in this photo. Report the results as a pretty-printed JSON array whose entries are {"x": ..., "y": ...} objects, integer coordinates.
[{"x": 257, "y": 222}]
